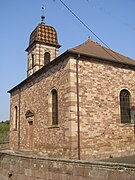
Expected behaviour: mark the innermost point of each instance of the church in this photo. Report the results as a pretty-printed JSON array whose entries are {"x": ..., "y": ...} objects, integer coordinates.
[{"x": 77, "y": 105}]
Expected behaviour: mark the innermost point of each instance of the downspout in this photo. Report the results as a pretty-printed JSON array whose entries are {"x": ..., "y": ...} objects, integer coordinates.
[
  {"x": 19, "y": 119},
  {"x": 78, "y": 112}
]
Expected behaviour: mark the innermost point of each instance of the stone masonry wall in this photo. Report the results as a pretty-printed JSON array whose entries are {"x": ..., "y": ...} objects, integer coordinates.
[
  {"x": 102, "y": 133},
  {"x": 41, "y": 136},
  {"x": 26, "y": 167},
  {"x": 4, "y": 145}
]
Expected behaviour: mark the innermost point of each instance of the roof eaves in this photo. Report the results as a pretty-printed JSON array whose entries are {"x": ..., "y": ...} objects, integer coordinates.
[
  {"x": 68, "y": 53},
  {"x": 40, "y": 71},
  {"x": 39, "y": 42},
  {"x": 100, "y": 58}
]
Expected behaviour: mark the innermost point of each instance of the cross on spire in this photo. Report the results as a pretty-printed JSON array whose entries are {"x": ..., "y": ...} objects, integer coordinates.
[{"x": 43, "y": 12}]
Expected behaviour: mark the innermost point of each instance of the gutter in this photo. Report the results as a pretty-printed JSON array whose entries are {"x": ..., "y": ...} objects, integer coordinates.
[
  {"x": 67, "y": 54},
  {"x": 104, "y": 60}
]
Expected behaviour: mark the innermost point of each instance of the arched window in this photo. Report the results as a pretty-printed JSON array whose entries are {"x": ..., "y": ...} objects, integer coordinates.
[
  {"x": 15, "y": 118},
  {"x": 46, "y": 58},
  {"x": 125, "y": 106},
  {"x": 32, "y": 56},
  {"x": 54, "y": 107}
]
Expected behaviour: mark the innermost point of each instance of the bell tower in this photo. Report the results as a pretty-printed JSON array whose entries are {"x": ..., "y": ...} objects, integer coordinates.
[{"x": 43, "y": 47}]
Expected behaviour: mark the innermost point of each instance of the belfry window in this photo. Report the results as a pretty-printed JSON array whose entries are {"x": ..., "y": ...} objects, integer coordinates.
[
  {"x": 46, "y": 58},
  {"x": 32, "y": 56},
  {"x": 125, "y": 106},
  {"x": 54, "y": 107}
]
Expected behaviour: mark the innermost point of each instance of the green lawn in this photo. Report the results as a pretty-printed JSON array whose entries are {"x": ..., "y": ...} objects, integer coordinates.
[{"x": 4, "y": 131}]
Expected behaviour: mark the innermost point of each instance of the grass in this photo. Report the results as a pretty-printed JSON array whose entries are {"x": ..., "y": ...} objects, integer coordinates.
[{"x": 4, "y": 131}]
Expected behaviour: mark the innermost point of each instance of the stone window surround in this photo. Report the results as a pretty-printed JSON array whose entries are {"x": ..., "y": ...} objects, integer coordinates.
[
  {"x": 50, "y": 124},
  {"x": 47, "y": 57},
  {"x": 15, "y": 114},
  {"x": 132, "y": 120}
]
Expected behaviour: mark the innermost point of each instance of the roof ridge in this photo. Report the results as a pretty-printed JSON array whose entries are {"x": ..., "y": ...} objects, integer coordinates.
[
  {"x": 115, "y": 52},
  {"x": 89, "y": 39},
  {"x": 97, "y": 49},
  {"x": 109, "y": 49}
]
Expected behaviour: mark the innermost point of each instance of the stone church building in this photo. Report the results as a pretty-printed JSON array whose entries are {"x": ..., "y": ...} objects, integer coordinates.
[{"x": 79, "y": 105}]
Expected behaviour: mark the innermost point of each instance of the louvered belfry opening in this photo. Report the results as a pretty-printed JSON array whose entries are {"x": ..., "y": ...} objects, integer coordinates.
[
  {"x": 46, "y": 58},
  {"x": 54, "y": 107},
  {"x": 125, "y": 106}
]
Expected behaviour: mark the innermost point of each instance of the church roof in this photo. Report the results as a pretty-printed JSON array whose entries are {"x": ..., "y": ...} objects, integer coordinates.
[
  {"x": 94, "y": 49},
  {"x": 89, "y": 49},
  {"x": 44, "y": 34}
]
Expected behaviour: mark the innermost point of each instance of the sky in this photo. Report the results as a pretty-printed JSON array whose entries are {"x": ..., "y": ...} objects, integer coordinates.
[{"x": 111, "y": 20}]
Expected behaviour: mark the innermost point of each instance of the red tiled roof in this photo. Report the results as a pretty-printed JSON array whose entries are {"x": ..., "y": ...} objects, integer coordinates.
[{"x": 89, "y": 49}]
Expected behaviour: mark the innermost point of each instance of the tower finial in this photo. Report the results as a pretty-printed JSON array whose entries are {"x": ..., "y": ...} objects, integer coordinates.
[{"x": 43, "y": 17}]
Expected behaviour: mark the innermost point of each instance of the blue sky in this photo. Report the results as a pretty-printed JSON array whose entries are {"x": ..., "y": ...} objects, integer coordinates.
[{"x": 112, "y": 20}]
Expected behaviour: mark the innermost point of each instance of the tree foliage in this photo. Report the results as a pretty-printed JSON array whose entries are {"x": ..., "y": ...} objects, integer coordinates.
[{"x": 4, "y": 131}]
